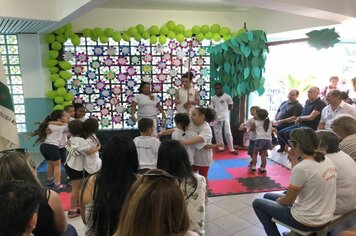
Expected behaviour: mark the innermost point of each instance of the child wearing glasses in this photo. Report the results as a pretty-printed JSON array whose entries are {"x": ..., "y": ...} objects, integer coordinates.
[{"x": 263, "y": 141}]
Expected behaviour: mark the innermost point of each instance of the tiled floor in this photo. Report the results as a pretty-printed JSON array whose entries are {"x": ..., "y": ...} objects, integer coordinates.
[{"x": 227, "y": 215}]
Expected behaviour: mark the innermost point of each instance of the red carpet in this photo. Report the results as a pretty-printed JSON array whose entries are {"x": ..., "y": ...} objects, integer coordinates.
[{"x": 229, "y": 174}]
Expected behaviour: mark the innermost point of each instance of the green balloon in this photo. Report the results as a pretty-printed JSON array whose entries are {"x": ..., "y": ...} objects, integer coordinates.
[
  {"x": 137, "y": 37},
  {"x": 200, "y": 37},
  {"x": 69, "y": 97},
  {"x": 204, "y": 29},
  {"x": 196, "y": 29},
  {"x": 225, "y": 31},
  {"x": 53, "y": 54},
  {"x": 50, "y": 38},
  {"x": 51, "y": 62},
  {"x": 188, "y": 33},
  {"x": 179, "y": 29},
  {"x": 61, "y": 92},
  {"x": 171, "y": 35},
  {"x": 154, "y": 30},
  {"x": 216, "y": 37},
  {"x": 61, "y": 38},
  {"x": 68, "y": 26},
  {"x": 153, "y": 39},
  {"x": 65, "y": 74},
  {"x": 53, "y": 69},
  {"x": 67, "y": 103},
  {"x": 58, "y": 107},
  {"x": 56, "y": 46},
  {"x": 164, "y": 30},
  {"x": 69, "y": 34},
  {"x": 227, "y": 37},
  {"x": 132, "y": 31},
  {"x": 171, "y": 25},
  {"x": 140, "y": 28},
  {"x": 108, "y": 32},
  {"x": 97, "y": 31},
  {"x": 65, "y": 65},
  {"x": 209, "y": 35},
  {"x": 59, "y": 83},
  {"x": 75, "y": 40},
  {"x": 116, "y": 36},
  {"x": 162, "y": 39},
  {"x": 54, "y": 77},
  {"x": 126, "y": 37},
  {"x": 94, "y": 38},
  {"x": 215, "y": 28},
  {"x": 51, "y": 94},
  {"x": 180, "y": 37},
  {"x": 145, "y": 35},
  {"x": 86, "y": 32},
  {"x": 59, "y": 100},
  {"x": 59, "y": 31},
  {"x": 103, "y": 39}
]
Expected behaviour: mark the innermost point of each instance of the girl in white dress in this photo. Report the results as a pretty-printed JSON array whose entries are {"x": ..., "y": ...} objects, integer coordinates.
[{"x": 187, "y": 96}]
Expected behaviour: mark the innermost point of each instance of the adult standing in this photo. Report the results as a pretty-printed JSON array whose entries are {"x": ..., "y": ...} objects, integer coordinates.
[
  {"x": 148, "y": 106},
  {"x": 187, "y": 96},
  {"x": 310, "y": 117},
  {"x": 336, "y": 106},
  {"x": 333, "y": 84},
  {"x": 222, "y": 104},
  {"x": 287, "y": 113},
  {"x": 345, "y": 127}
]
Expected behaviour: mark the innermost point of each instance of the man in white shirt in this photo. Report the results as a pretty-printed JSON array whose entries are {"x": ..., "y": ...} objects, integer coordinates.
[
  {"x": 334, "y": 108},
  {"x": 222, "y": 104}
]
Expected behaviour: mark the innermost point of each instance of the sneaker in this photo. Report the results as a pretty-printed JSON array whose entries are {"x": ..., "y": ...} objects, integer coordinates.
[
  {"x": 59, "y": 187},
  {"x": 72, "y": 214},
  {"x": 234, "y": 152},
  {"x": 49, "y": 182},
  {"x": 253, "y": 169},
  {"x": 262, "y": 171}
]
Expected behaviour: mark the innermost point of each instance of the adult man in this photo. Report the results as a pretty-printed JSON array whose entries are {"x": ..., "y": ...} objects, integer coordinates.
[
  {"x": 334, "y": 108},
  {"x": 345, "y": 127},
  {"x": 287, "y": 113},
  {"x": 310, "y": 115},
  {"x": 222, "y": 104}
]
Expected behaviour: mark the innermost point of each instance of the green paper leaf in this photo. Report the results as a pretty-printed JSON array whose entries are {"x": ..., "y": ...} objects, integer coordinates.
[{"x": 246, "y": 72}]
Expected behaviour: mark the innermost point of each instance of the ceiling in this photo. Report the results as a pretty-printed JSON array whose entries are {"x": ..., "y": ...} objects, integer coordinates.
[{"x": 36, "y": 16}]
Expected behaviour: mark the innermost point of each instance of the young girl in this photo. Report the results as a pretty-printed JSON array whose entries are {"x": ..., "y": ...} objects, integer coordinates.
[
  {"x": 79, "y": 112},
  {"x": 92, "y": 162},
  {"x": 75, "y": 162},
  {"x": 71, "y": 112},
  {"x": 50, "y": 133},
  {"x": 263, "y": 142}
]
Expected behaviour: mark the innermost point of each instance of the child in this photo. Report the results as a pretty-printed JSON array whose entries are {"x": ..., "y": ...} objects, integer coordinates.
[
  {"x": 92, "y": 161},
  {"x": 147, "y": 146},
  {"x": 263, "y": 142},
  {"x": 79, "y": 112},
  {"x": 71, "y": 112},
  {"x": 75, "y": 163},
  {"x": 50, "y": 133},
  {"x": 247, "y": 126},
  {"x": 222, "y": 104}
]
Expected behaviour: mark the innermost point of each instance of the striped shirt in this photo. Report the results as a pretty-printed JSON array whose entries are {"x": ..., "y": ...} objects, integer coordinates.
[{"x": 348, "y": 145}]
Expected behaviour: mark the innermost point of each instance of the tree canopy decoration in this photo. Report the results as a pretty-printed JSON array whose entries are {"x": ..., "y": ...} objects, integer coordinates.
[
  {"x": 239, "y": 63},
  {"x": 324, "y": 38}
]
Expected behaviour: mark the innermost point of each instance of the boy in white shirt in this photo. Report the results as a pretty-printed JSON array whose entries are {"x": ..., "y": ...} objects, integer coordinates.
[
  {"x": 147, "y": 146},
  {"x": 222, "y": 104}
]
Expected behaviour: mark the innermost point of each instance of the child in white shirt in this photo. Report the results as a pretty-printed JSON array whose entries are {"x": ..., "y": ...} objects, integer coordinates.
[
  {"x": 147, "y": 146},
  {"x": 92, "y": 162}
]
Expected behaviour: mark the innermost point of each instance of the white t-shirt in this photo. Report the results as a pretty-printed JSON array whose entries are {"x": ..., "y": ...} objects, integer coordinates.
[
  {"x": 147, "y": 107},
  {"x": 328, "y": 115},
  {"x": 345, "y": 181},
  {"x": 221, "y": 106},
  {"x": 57, "y": 134},
  {"x": 92, "y": 162},
  {"x": 75, "y": 161},
  {"x": 315, "y": 204},
  {"x": 260, "y": 131},
  {"x": 203, "y": 157},
  {"x": 249, "y": 124},
  {"x": 178, "y": 135},
  {"x": 147, "y": 151},
  {"x": 183, "y": 98}
]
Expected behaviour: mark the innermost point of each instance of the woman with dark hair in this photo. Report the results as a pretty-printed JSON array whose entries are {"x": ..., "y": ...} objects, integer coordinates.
[
  {"x": 148, "y": 106},
  {"x": 310, "y": 200},
  {"x": 173, "y": 158},
  {"x": 187, "y": 96},
  {"x": 345, "y": 167},
  {"x": 103, "y": 193},
  {"x": 155, "y": 206}
]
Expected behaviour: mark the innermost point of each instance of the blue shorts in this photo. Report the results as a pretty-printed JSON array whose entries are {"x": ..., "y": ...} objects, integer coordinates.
[{"x": 52, "y": 152}]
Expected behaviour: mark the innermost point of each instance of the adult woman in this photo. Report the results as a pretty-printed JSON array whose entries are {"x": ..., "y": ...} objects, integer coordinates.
[
  {"x": 154, "y": 206},
  {"x": 186, "y": 96},
  {"x": 345, "y": 167},
  {"x": 103, "y": 194},
  {"x": 148, "y": 106},
  {"x": 173, "y": 158},
  {"x": 310, "y": 200},
  {"x": 51, "y": 218}
]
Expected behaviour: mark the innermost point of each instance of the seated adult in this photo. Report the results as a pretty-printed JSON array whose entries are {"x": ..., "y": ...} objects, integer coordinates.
[
  {"x": 345, "y": 168},
  {"x": 345, "y": 127},
  {"x": 310, "y": 200},
  {"x": 287, "y": 113},
  {"x": 310, "y": 117},
  {"x": 19, "y": 203},
  {"x": 103, "y": 193},
  {"x": 51, "y": 218},
  {"x": 155, "y": 206},
  {"x": 336, "y": 106},
  {"x": 173, "y": 158}
]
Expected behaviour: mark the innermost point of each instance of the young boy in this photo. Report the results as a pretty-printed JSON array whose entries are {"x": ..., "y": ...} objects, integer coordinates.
[
  {"x": 222, "y": 104},
  {"x": 147, "y": 146}
]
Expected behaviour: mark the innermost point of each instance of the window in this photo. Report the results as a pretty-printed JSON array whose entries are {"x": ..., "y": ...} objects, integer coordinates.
[{"x": 9, "y": 51}]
